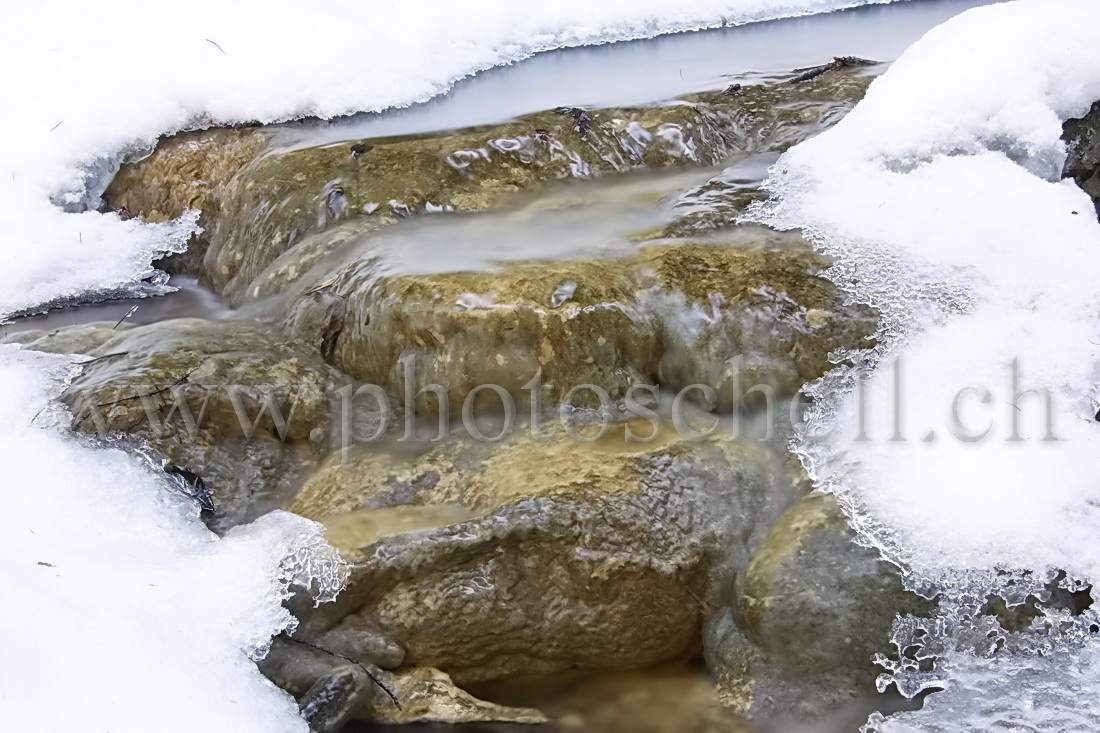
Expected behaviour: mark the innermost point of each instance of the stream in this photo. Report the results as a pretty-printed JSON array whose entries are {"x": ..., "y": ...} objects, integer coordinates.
[{"x": 580, "y": 579}]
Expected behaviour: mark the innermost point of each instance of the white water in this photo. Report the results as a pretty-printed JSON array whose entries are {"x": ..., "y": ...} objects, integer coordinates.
[
  {"x": 940, "y": 197},
  {"x": 123, "y": 613}
]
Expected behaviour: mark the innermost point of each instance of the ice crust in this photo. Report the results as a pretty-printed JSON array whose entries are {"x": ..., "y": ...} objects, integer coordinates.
[{"x": 940, "y": 198}]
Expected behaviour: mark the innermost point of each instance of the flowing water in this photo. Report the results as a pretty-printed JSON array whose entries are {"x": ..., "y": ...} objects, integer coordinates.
[
  {"x": 597, "y": 215},
  {"x": 601, "y": 219},
  {"x": 189, "y": 300}
]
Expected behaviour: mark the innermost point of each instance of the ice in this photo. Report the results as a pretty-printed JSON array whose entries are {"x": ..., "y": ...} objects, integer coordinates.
[
  {"x": 1043, "y": 680},
  {"x": 939, "y": 196}
]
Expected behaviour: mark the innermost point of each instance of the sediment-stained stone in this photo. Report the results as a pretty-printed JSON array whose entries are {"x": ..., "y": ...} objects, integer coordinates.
[
  {"x": 253, "y": 399},
  {"x": 597, "y": 556},
  {"x": 794, "y": 636},
  {"x": 260, "y": 198},
  {"x": 676, "y": 313}
]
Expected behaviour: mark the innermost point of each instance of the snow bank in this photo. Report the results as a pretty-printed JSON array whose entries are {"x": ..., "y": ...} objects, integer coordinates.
[
  {"x": 88, "y": 81},
  {"x": 123, "y": 612},
  {"x": 939, "y": 196}
]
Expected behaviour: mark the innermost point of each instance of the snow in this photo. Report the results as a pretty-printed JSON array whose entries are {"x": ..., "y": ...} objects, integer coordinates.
[
  {"x": 940, "y": 198},
  {"x": 124, "y": 612}
]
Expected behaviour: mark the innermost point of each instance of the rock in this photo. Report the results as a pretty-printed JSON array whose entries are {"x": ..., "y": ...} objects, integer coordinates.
[
  {"x": 797, "y": 629},
  {"x": 1082, "y": 138},
  {"x": 296, "y": 666},
  {"x": 670, "y": 697},
  {"x": 72, "y": 340},
  {"x": 426, "y": 694},
  {"x": 760, "y": 297},
  {"x": 188, "y": 171},
  {"x": 838, "y": 62},
  {"x": 229, "y": 375},
  {"x": 458, "y": 479},
  {"x": 675, "y": 313},
  {"x": 327, "y": 684},
  {"x": 297, "y": 263},
  {"x": 589, "y": 556},
  {"x": 474, "y": 561},
  {"x": 463, "y": 330},
  {"x": 332, "y": 700},
  {"x": 260, "y": 195},
  {"x": 721, "y": 200}
]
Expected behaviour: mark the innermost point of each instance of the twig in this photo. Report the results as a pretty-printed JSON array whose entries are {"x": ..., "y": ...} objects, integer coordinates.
[
  {"x": 154, "y": 393},
  {"x": 105, "y": 356},
  {"x": 347, "y": 659},
  {"x": 129, "y": 313},
  {"x": 326, "y": 284},
  {"x": 838, "y": 62},
  {"x": 216, "y": 46},
  {"x": 56, "y": 126}
]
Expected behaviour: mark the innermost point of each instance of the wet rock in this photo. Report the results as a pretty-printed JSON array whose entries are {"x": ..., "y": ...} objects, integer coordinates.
[
  {"x": 188, "y": 171},
  {"x": 457, "y": 479},
  {"x": 71, "y": 340},
  {"x": 463, "y": 330},
  {"x": 193, "y": 486},
  {"x": 754, "y": 314},
  {"x": 838, "y": 62},
  {"x": 799, "y": 626},
  {"x": 1082, "y": 138},
  {"x": 591, "y": 556},
  {"x": 230, "y": 402},
  {"x": 296, "y": 666},
  {"x": 721, "y": 200},
  {"x": 332, "y": 700},
  {"x": 259, "y": 199},
  {"x": 671, "y": 697},
  {"x": 359, "y": 690},
  {"x": 676, "y": 313}
]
